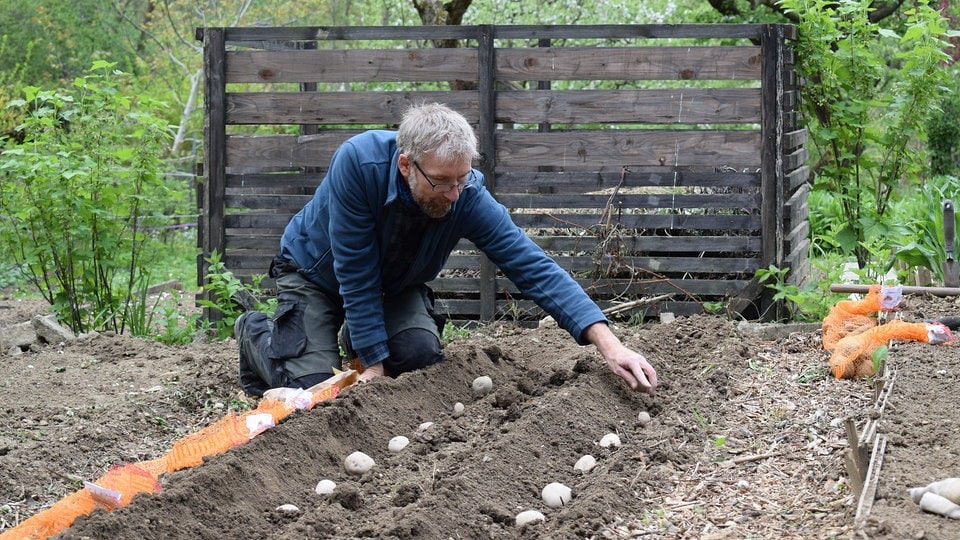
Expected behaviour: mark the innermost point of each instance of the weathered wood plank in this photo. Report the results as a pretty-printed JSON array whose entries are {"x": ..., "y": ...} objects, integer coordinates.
[
  {"x": 352, "y": 65},
  {"x": 266, "y": 151},
  {"x": 237, "y": 35},
  {"x": 739, "y": 224},
  {"x": 602, "y": 288},
  {"x": 675, "y": 106},
  {"x": 264, "y": 108},
  {"x": 591, "y": 181},
  {"x": 629, "y": 63},
  {"x": 528, "y": 149},
  {"x": 720, "y": 222},
  {"x": 607, "y": 265},
  {"x": 654, "y": 243},
  {"x": 619, "y": 204},
  {"x": 627, "y": 202},
  {"x": 269, "y": 240},
  {"x": 275, "y": 182},
  {"x": 796, "y": 159},
  {"x": 258, "y": 201},
  {"x": 796, "y": 178},
  {"x": 618, "y": 148}
]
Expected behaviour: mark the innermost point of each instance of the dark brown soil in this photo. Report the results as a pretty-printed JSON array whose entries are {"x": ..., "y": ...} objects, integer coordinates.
[{"x": 746, "y": 439}]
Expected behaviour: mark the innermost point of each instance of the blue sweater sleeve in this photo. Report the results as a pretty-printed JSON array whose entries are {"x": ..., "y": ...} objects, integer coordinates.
[
  {"x": 530, "y": 269},
  {"x": 356, "y": 250}
]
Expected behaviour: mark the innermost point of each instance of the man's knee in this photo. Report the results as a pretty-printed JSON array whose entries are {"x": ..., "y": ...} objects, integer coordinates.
[{"x": 411, "y": 349}]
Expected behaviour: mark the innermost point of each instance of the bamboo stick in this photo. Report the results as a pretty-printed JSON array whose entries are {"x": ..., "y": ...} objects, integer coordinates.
[{"x": 935, "y": 291}]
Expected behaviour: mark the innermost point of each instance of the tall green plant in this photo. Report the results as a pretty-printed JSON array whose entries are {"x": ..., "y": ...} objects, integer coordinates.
[
  {"x": 867, "y": 92},
  {"x": 78, "y": 194}
]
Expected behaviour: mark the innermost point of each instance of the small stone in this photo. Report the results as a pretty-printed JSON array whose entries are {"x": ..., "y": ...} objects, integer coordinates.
[
  {"x": 643, "y": 418},
  {"x": 458, "y": 409},
  {"x": 288, "y": 509}
]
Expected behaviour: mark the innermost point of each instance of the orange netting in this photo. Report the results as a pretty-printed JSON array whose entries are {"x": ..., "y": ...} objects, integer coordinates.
[
  {"x": 119, "y": 485},
  {"x": 853, "y": 316},
  {"x": 853, "y": 335}
]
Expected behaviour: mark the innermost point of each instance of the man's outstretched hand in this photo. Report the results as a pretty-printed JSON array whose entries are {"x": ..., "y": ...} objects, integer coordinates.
[{"x": 629, "y": 365}]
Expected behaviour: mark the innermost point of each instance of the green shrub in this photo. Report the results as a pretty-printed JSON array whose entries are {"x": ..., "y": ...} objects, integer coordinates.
[
  {"x": 79, "y": 190},
  {"x": 866, "y": 94}
]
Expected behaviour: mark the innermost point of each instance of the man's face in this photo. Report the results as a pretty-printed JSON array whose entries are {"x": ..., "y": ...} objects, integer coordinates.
[{"x": 423, "y": 175}]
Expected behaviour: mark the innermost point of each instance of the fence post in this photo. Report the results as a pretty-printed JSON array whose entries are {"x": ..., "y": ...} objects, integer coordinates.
[
  {"x": 771, "y": 158},
  {"x": 486, "y": 74},
  {"x": 212, "y": 211}
]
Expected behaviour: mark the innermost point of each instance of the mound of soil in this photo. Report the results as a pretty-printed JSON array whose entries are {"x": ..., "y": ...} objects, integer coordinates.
[{"x": 746, "y": 439}]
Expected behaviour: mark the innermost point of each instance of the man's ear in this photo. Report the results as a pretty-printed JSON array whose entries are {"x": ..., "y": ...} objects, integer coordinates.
[{"x": 404, "y": 164}]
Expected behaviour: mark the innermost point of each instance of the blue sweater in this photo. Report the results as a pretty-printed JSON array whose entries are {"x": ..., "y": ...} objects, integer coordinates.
[{"x": 338, "y": 240}]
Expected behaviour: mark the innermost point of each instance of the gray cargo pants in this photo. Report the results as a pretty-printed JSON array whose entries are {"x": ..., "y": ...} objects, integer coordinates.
[{"x": 299, "y": 347}]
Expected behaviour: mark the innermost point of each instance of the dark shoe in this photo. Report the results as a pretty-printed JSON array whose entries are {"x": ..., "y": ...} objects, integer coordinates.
[
  {"x": 251, "y": 382},
  {"x": 244, "y": 299}
]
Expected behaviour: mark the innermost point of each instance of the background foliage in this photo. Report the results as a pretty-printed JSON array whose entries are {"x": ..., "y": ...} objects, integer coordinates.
[
  {"x": 884, "y": 124},
  {"x": 81, "y": 195}
]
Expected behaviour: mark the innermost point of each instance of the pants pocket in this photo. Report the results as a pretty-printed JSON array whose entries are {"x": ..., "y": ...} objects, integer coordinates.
[
  {"x": 289, "y": 338},
  {"x": 430, "y": 302}
]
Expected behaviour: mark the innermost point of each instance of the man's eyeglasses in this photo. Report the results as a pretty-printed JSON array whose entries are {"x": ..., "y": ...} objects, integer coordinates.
[{"x": 446, "y": 188}]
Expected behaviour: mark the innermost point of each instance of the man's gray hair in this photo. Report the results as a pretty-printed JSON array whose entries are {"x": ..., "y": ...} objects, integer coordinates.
[{"x": 437, "y": 129}]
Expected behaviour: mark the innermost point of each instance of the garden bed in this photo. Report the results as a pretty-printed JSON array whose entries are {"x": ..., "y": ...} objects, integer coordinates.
[{"x": 747, "y": 439}]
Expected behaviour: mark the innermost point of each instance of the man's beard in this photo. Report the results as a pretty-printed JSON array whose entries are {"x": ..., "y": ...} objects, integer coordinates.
[{"x": 432, "y": 207}]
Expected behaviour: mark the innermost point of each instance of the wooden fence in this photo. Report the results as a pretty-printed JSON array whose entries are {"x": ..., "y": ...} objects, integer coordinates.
[{"x": 648, "y": 160}]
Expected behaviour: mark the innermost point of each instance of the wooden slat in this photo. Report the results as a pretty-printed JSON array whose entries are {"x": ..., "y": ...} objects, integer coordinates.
[
  {"x": 659, "y": 265},
  {"x": 265, "y": 108},
  {"x": 626, "y": 201},
  {"x": 674, "y": 106},
  {"x": 265, "y": 151},
  {"x": 694, "y": 222},
  {"x": 277, "y": 202},
  {"x": 602, "y": 288},
  {"x": 256, "y": 221},
  {"x": 797, "y": 177},
  {"x": 795, "y": 159},
  {"x": 632, "y": 243},
  {"x": 717, "y": 222},
  {"x": 289, "y": 183},
  {"x": 795, "y": 139},
  {"x": 629, "y": 63},
  {"x": 614, "y": 149},
  {"x": 591, "y": 181},
  {"x": 269, "y": 240},
  {"x": 529, "y": 149},
  {"x": 236, "y": 35},
  {"x": 352, "y": 65}
]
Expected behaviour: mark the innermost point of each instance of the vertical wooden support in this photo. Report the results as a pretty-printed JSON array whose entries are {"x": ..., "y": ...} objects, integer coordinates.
[
  {"x": 486, "y": 77},
  {"x": 771, "y": 152},
  {"x": 214, "y": 94}
]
